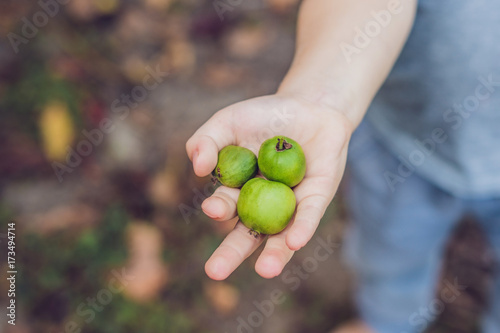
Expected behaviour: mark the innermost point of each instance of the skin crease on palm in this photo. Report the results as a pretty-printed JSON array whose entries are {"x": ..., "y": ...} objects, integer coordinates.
[{"x": 323, "y": 134}]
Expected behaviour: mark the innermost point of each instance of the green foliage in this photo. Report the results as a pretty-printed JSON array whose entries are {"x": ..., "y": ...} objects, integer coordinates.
[
  {"x": 60, "y": 272},
  {"x": 69, "y": 265},
  {"x": 127, "y": 316},
  {"x": 25, "y": 98}
]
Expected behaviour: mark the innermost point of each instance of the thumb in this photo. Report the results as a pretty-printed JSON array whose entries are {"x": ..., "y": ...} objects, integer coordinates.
[{"x": 203, "y": 147}]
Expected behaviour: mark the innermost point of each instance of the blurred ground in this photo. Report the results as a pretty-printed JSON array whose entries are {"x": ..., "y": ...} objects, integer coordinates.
[{"x": 96, "y": 105}]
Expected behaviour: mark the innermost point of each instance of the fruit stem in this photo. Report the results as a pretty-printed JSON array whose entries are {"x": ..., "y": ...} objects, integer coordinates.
[
  {"x": 254, "y": 233},
  {"x": 283, "y": 145}
]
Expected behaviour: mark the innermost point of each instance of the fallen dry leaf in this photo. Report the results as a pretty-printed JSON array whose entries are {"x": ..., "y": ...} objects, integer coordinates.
[
  {"x": 182, "y": 56},
  {"x": 164, "y": 188},
  {"x": 247, "y": 41},
  {"x": 159, "y": 5},
  {"x": 135, "y": 27},
  {"x": 223, "y": 296},
  {"x": 61, "y": 217},
  {"x": 106, "y": 6},
  {"x": 222, "y": 75},
  {"x": 82, "y": 10},
  {"x": 134, "y": 68},
  {"x": 144, "y": 240},
  {"x": 142, "y": 116},
  {"x": 125, "y": 147},
  {"x": 145, "y": 265},
  {"x": 57, "y": 130}
]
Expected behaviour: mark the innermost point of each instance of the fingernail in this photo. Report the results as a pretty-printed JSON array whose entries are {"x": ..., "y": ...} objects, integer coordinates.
[
  {"x": 206, "y": 208},
  {"x": 221, "y": 268},
  {"x": 212, "y": 216}
]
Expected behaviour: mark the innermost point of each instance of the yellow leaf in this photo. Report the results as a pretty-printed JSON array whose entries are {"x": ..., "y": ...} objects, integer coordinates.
[
  {"x": 106, "y": 6},
  {"x": 57, "y": 130}
]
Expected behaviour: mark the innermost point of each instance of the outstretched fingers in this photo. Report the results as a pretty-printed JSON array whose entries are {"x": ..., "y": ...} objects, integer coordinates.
[
  {"x": 313, "y": 196},
  {"x": 274, "y": 257},
  {"x": 235, "y": 248},
  {"x": 239, "y": 244}
]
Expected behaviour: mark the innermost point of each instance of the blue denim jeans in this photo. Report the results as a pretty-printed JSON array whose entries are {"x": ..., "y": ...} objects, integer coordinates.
[{"x": 396, "y": 242}]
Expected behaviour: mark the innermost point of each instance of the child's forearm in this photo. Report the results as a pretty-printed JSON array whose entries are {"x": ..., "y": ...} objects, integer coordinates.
[{"x": 345, "y": 50}]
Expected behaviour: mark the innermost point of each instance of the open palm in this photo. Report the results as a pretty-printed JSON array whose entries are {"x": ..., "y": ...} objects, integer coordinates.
[{"x": 323, "y": 134}]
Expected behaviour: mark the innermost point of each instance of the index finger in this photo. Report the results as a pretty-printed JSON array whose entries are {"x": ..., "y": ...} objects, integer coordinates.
[
  {"x": 235, "y": 248},
  {"x": 205, "y": 144}
]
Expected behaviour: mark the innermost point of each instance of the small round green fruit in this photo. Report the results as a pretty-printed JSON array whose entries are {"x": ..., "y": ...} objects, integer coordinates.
[
  {"x": 265, "y": 207},
  {"x": 235, "y": 166},
  {"x": 282, "y": 159}
]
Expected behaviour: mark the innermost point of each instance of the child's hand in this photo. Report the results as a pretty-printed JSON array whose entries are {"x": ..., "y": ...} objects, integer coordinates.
[
  {"x": 322, "y": 71},
  {"x": 323, "y": 134}
]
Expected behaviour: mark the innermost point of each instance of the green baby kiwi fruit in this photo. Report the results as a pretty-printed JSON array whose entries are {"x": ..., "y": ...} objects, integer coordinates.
[
  {"x": 282, "y": 159},
  {"x": 235, "y": 166},
  {"x": 265, "y": 207}
]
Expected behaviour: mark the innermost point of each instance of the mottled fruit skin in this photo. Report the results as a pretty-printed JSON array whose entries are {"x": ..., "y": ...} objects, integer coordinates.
[
  {"x": 265, "y": 206},
  {"x": 235, "y": 166},
  {"x": 282, "y": 159}
]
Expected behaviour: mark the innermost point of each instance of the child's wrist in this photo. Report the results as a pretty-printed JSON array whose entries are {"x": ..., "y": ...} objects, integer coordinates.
[{"x": 316, "y": 91}]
